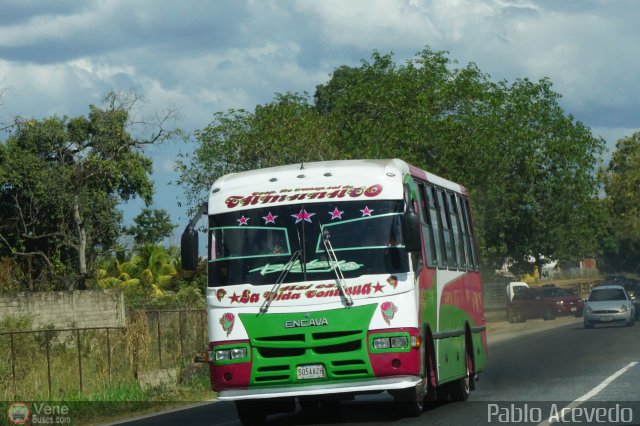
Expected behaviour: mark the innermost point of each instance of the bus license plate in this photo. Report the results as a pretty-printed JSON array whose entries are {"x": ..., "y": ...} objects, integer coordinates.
[
  {"x": 311, "y": 371},
  {"x": 574, "y": 309}
]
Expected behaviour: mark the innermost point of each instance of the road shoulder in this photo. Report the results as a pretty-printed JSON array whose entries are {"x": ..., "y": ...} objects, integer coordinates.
[{"x": 498, "y": 331}]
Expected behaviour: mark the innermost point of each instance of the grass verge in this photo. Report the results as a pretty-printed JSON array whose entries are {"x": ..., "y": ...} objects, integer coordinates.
[{"x": 115, "y": 402}]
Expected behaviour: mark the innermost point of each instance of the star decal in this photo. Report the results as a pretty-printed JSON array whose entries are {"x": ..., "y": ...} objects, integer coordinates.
[
  {"x": 303, "y": 215},
  {"x": 243, "y": 221},
  {"x": 378, "y": 288},
  {"x": 235, "y": 298},
  {"x": 366, "y": 211},
  {"x": 269, "y": 218},
  {"x": 336, "y": 214}
]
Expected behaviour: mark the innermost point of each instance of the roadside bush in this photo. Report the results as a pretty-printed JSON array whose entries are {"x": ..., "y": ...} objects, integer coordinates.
[{"x": 25, "y": 349}]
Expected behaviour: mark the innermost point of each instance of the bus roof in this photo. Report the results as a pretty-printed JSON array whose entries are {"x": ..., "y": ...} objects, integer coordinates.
[{"x": 383, "y": 179}]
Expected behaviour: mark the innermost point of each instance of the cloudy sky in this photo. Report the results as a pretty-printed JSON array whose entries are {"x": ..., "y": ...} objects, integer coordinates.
[{"x": 203, "y": 56}]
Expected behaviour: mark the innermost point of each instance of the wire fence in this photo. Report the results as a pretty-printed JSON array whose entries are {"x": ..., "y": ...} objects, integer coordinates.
[{"x": 48, "y": 363}]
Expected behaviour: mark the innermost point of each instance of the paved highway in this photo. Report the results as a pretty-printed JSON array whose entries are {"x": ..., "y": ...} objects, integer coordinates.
[{"x": 566, "y": 374}]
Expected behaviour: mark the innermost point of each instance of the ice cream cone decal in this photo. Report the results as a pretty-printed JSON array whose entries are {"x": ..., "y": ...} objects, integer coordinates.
[
  {"x": 393, "y": 281},
  {"x": 388, "y": 311},
  {"x": 220, "y": 294},
  {"x": 227, "y": 322}
]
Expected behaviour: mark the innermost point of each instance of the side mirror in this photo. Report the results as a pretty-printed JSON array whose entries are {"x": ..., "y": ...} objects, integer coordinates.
[
  {"x": 411, "y": 231},
  {"x": 189, "y": 248},
  {"x": 189, "y": 242},
  {"x": 411, "y": 225}
]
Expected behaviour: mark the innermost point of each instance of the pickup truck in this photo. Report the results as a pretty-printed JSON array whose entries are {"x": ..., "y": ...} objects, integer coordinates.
[
  {"x": 514, "y": 287},
  {"x": 546, "y": 302}
]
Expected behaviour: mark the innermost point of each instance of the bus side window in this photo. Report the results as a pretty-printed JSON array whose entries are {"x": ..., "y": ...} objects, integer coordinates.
[
  {"x": 467, "y": 219},
  {"x": 456, "y": 230},
  {"x": 464, "y": 235},
  {"x": 448, "y": 233},
  {"x": 435, "y": 208},
  {"x": 427, "y": 228}
]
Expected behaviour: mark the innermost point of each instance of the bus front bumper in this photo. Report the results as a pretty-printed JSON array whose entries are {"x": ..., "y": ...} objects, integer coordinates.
[{"x": 383, "y": 384}]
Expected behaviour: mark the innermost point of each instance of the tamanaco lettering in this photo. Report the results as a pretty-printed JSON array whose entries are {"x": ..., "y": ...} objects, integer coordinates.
[{"x": 261, "y": 198}]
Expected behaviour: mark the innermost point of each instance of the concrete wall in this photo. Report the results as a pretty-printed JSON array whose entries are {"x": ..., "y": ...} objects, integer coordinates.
[
  {"x": 494, "y": 294},
  {"x": 79, "y": 308}
]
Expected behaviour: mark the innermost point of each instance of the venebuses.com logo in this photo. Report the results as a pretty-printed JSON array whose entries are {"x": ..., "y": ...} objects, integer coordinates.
[
  {"x": 38, "y": 413},
  {"x": 18, "y": 413}
]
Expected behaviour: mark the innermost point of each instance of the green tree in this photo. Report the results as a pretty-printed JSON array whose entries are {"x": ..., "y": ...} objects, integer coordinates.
[
  {"x": 287, "y": 130},
  {"x": 151, "y": 226},
  {"x": 530, "y": 167},
  {"x": 149, "y": 271},
  {"x": 622, "y": 202},
  {"x": 62, "y": 181}
]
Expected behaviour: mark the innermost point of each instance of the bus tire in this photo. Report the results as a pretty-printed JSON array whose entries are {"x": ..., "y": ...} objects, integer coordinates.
[
  {"x": 460, "y": 389},
  {"x": 409, "y": 401},
  {"x": 251, "y": 413},
  {"x": 430, "y": 371}
]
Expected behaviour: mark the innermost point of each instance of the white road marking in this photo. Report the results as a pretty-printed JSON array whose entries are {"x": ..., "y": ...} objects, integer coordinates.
[{"x": 593, "y": 392}]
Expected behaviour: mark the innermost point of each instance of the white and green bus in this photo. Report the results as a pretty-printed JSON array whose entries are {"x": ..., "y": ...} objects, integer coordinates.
[{"x": 330, "y": 279}]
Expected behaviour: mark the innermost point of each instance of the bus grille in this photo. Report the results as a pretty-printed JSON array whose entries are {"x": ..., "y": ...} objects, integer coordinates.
[
  {"x": 341, "y": 347},
  {"x": 342, "y": 353}
]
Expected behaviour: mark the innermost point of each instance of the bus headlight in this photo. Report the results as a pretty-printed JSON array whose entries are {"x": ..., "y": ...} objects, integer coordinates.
[
  {"x": 223, "y": 355},
  {"x": 390, "y": 342},
  {"x": 399, "y": 342},
  {"x": 381, "y": 343},
  {"x": 228, "y": 354},
  {"x": 237, "y": 353}
]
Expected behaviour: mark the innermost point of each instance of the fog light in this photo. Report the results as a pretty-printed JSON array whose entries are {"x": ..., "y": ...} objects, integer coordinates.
[
  {"x": 399, "y": 342},
  {"x": 381, "y": 343}
]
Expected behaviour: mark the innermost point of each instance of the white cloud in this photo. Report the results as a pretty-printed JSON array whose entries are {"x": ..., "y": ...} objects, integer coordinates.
[
  {"x": 370, "y": 24},
  {"x": 203, "y": 57}
]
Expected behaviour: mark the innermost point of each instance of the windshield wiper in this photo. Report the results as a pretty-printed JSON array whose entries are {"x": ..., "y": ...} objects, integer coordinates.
[
  {"x": 283, "y": 274},
  {"x": 335, "y": 265}
]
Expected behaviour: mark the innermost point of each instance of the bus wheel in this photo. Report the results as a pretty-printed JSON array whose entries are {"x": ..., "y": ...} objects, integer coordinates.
[
  {"x": 460, "y": 389},
  {"x": 409, "y": 401},
  {"x": 251, "y": 413}
]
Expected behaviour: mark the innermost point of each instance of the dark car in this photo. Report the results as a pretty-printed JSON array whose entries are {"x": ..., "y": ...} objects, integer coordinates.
[{"x": 547, "y": 302}]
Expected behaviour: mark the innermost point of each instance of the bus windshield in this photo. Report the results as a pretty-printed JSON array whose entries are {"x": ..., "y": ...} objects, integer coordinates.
[{"x": 253, "y": 246}]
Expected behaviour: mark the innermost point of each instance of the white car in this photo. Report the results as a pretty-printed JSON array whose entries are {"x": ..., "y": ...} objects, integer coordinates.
[{"x": 608, "y": 304}]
